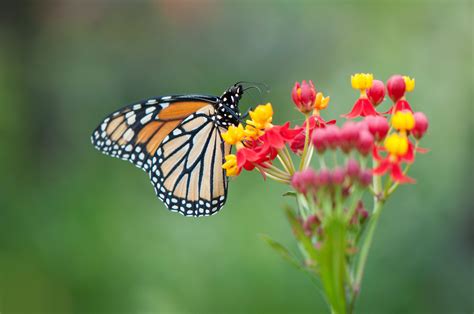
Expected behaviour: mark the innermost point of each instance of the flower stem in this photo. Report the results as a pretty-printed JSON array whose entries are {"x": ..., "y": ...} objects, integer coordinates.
[
  {"x": 305, "y": 148},
  {"x": 366, "y": 246}
]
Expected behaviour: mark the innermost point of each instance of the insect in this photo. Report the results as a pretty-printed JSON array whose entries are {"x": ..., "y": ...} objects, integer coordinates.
[{"x": 177, "y": 141}]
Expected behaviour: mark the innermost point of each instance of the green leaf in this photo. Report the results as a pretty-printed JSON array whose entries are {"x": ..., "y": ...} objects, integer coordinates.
[
  {"x": 301, "y": 236},
  {"x": 289, "y": 193},
  {"x": 332, "y": 263},
  {"x": 283, "y": 251}
]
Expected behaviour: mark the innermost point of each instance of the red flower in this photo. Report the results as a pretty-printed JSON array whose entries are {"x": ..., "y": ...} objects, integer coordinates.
[
  {"x": 392, "y": 166},
  {"x": 362, "y": 108},
  {"x": 398, "y": 148}
]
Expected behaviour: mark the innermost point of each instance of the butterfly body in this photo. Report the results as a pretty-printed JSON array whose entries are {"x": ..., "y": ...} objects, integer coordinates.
[{"x": 177, "y": 141}]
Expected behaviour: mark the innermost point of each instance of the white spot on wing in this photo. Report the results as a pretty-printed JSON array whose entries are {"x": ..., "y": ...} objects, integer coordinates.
[{"x": 146, "y": 118}]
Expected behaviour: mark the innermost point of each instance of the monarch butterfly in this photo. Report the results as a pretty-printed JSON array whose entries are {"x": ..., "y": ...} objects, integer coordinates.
[{"x": 177, "y": 141}]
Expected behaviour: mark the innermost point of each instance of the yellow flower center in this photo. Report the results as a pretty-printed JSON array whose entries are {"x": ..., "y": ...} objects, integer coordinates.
[
  {"x": 396, "y": 145},
  {"x": 261, "y": 116},
  {"x": 409, "y": 83},
  {"x": 362, "y": 81},
  {"x": 403, "y": 121},
  {"x": 234, "y": 134},
  {"x": 230, "y": 165}
]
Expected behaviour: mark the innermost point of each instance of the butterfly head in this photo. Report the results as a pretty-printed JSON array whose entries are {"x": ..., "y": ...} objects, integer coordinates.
[{"x": 227, "y": 110}]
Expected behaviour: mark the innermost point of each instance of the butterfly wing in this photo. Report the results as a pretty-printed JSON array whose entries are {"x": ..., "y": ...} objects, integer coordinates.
[{"x": 176, "y": 140}]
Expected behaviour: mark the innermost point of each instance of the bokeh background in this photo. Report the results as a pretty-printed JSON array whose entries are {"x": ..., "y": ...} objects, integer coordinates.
[{"x": 83, "y": 233}]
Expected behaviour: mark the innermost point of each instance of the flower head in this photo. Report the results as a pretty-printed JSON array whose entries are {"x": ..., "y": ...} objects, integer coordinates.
[
  {"x": 396, "y": 145},
  {"x": 321, "y": 102},
  {"x": 230, "y": 165},
  {"x": 362, "y": 81},
  {"x": 234, "y": 134},
  {"x": 261, "y": 116},
  {"x": 410, "y": 83},
  {"x": 403, "y": 121},
  {"x": 304, "y": 96}
]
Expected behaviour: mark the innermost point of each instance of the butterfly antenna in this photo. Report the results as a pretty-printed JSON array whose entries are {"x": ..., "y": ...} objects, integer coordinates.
[{"x": 257, "y": 85}]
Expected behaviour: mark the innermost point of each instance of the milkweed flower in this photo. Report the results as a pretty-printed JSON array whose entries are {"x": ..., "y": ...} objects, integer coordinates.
[
  {"x": 362, "y": 81},
  {"x": 234, "y": 134},
  {"x": 397, "y": 147},
  {"x": 261, "y": 117},
  {"x": 321, "y": 102},
  {"x": 403, "y": 121},
  {"x": 304, "y": 96},
  {"x": 409, "y": 83},
  {"x": 230, "y": 165},
  {"x": 397, "y": 85},
  {"x": 363, "y": 106},
  {"x": 336, "y": 166}
]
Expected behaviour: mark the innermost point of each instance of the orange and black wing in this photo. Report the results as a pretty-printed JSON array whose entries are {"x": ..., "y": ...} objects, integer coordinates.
[{"x": 176, "y": 140}]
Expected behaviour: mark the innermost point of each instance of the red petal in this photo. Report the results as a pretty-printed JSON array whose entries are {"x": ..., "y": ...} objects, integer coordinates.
[
  {"x": 368, "y": 109},
  {"x": 409, "y": 157},
  {"x": 382, "y": 167},
  {"x": 355, "y": 112},
  {"x": 398, "y": 176}
]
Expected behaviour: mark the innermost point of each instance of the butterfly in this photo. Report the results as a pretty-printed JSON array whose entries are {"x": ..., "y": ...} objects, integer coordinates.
[{"x": 177, "y": 141}]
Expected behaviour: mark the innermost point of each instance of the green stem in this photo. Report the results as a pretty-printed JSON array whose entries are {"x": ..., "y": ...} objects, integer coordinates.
[
  {"x": 364, "y": 252},
  {"x": 305, "y": 148}
]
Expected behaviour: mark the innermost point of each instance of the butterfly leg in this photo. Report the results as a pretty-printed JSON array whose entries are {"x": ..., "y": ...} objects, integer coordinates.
[{"x": 247, "y": 112}]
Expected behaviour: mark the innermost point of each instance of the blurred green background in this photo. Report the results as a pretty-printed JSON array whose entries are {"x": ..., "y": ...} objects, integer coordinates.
[{"x": 81, "y": 232}]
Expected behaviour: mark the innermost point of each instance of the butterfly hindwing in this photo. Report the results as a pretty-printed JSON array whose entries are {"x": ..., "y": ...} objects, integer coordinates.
[{"x": 187, "y": 170}]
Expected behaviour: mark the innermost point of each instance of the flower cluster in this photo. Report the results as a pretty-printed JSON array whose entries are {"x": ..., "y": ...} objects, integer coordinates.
[{"x": 335, "y": 166}]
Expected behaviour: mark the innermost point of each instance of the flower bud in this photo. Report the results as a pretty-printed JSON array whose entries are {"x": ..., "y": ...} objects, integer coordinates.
[
  {"x": 333, "y": 135},
  {"x": 376, "y": 93},
  {"x": 323, "y": 177},
  {"x": 310, "y": 224},
  {"x": 304, "y": 181},
  {"x": 349, "y": 135},
  {"x": 378, "y": 126},
  {"x": 396, "y": 87},
  {"x": 337, "y": 176},
  {"x": 365, "y": 177},
  {"x": 421, "y": 125},
  {"x": 352, "y": 168},
  {"x": 365, "y": 142},
  {"x": 304, "y": 96},
  {"x": 318, "y": 139}
]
